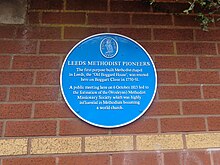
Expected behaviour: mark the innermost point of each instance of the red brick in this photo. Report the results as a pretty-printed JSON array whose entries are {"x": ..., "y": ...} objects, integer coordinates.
[
  {"x": 15, "y": 111},
  {"x": 211, "y": 35},
  {"x": 209, "y": 62},
  {"x": 137, "y": 127},
  {"x": 187, "y": 158},
  {"x": 211, "y": 91},
  {"x": 47, "y": 78},
  {"x": 30, "y": 128},
  {"x": 3, "y": 93},
  {"x": 81, "y": 32},
  {"x": 30, "y": 161},
  {"x": 166, "y": 77},
  {"x": 201, "y": 107},
  {"x": 134, "y": 33},
  {"x": 52, "y": 110},
  {"x": 173, "y": 34},
  {"x": 85, "y": 160},
  {"x": 216, "y": 157},
  {"x": 63, "y": 18},
  {"x": 78, "y": 127},
  {"x": 158, "y": 47},
  {"x": 7, "y": 31},
  {"x": 214, "y": 123},
  {"x": 164, "y": 108},
  {"x": 46, "y": 4},
  {"x": 199, "y": 77},
  {"x": 36, "y": 62},
  {"x": 186, "y": 20},
  {"x": 179, "y": 92},
  {"x": 56, "y": 46},
  {"x": 33, "y": 17},
  {"x": 136, "y": 159},
  {"x": 5, "y": 62},
  {"x": 150, "y": 19},
  {"x": 175, "y": 62},
  {"x": 34, "y": 94},
  {"x": 129, "y": 6},
  {"x": 39, "y": 33},
  {"x": 182, "y": 124},
  {"x": 196, "y": 48},
  {"x": 18, "y": 47},
  {"x": 1, "y": 128},
  {"x": 94, "y": 5},
  {"x": 166, "y": 6},
  {"x": 16, "y": 77},
  {"x": 107, "y": 18}
]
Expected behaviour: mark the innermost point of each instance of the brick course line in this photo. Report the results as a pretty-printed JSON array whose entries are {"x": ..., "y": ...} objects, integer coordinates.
[{"x": 107, "y": 143}]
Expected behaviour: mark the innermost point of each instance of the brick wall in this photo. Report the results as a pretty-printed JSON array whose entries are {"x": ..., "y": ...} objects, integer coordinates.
[{"x": 181, "y": 127}]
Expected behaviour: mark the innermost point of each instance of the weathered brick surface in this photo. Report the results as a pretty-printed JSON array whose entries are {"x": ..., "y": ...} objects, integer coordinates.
[
  {"x": 18, "y": 47},
  {"x": 95, "y": 5},
  {"x": 149, "y": 19},
  {"x": 211, "y": 91},
  {"x": 140, "y": 126},
  {"x": 30, "y": 128},
  {"x": 5, "y": 62},
  {"x": 16, "y": 77},
  {"x": 212, "y": 35},
  {"x": 36, "y": 62},
  {"x": 166, "y": 77},
  {"x": 173, "y": 34},
  {"x": 196, "y": 48},
  {"x": 7, "y": 32},
  {"x": 58, "y": 47},
  {"x": 216, "y": 157},
  {"x": 164, "y": 108},
  {"x": 63, "y": 18},
  {"x": 126, "y": 6},
  {"x": 46, "y": 4},
  {"x": 134, "y": 33},
  {"x": 52, "y": 110},
  {"x": 1, "y": 128},
  {"x": 179, "y": 92},
  {"x": 158, "y": 47},
  {"x": 213, "y": 123},
  {"x": 193, "y": 77},
  {"x": 172, "y": 62},
  {"x": 81, "y": 32},
  {"x": 3, "y": 93},
  {"x": 47, "y": 78},
  {"x": 201, "y": 107},
  {"x": 209, "y": 62},
  {"x": 15, "y": 111},
  {"x": 78, "y": 127},
  {"x": 136, "y": 158},
  {"x": 39, "y": 33},
  {"x": 28, "y": 161},
  {"x": 187, "y": 158},
  {"x": 182, "y": 124},
  {"x": 106, "y": 18},
  {"x": 85, "y": 159},
  {"x": 34, "y": 94}
]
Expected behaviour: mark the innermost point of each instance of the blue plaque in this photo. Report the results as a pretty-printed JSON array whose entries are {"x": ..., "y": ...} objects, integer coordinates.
[{"x": 108, "y": 80}]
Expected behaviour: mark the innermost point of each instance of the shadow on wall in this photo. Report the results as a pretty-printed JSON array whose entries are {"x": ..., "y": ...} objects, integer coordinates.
[{"x": 13, "y": 11}]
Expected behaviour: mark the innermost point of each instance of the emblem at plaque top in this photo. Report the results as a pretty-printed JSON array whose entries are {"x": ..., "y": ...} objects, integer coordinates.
[{"x": 109, "y": 47}]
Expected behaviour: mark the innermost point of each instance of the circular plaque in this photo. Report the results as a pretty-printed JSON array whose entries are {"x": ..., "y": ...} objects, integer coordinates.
[{"x": 108, "y": 80}]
